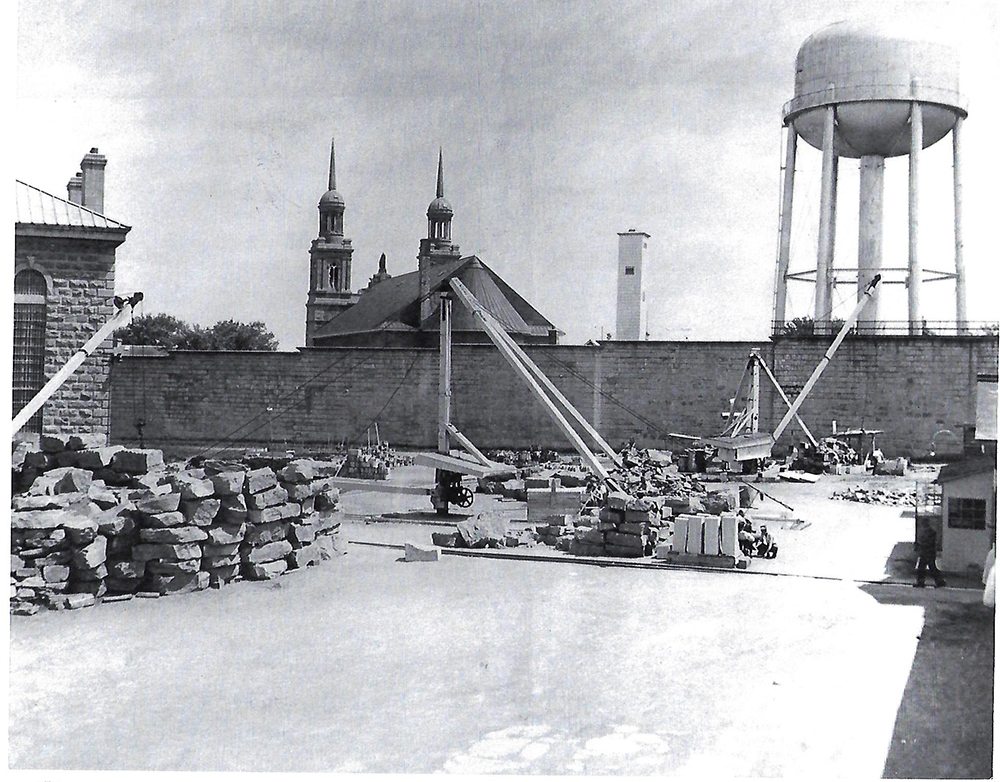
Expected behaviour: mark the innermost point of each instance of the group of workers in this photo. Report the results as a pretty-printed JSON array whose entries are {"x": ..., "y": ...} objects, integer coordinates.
[{"x": 755, "y": 543}]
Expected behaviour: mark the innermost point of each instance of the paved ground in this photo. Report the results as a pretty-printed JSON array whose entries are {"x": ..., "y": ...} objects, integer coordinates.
[{"x": 479, "y": 665}]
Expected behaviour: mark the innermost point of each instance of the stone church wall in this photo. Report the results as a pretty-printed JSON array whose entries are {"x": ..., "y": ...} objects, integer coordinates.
[{"x": 920, "y": 390}]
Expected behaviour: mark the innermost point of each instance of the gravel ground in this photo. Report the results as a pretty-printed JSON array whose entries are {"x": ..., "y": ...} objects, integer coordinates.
[{"x": 488, "y": 666}]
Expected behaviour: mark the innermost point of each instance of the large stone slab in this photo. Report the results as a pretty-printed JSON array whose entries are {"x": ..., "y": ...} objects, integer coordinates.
[
  {"x": 172, "y": 535},
  {"x": 623, "y": 540},
  {"x": 276, "y": 495},
  {"x": 264, "y": 570},
  {"x": 179, "y": 584},
  {"x": 137, "y": 460},
  {"x": 223, "y": 534},
  {"x": 36, "y": 520},
  {"x": 228, "y": 483},
  {"x": 171, "y": 567},
  {"x": 81, "y": 529},
  {"x": 298, "y": 471},
  {"x": 266, "y": 533},
  {"x": 52, "y": 573},
  {"x": 219, "y": 560},
  {"x": 190, "y": 486},
  {"x": 288, "y": 510},
  {"x": 297, "y": 492},
  {"x": 175, "y": 551},
  {"x": 152, "y": 503},
  {"x": 201, "y": 512},
  {"x": 267, "y": 553},
  {"x": 260, "y": 480},
  {"x": 77, "y": 442},
  {"x": 445, "y": 539},
  {"x": 225, "y": 550},
  {"x": 174, "y": 519},
  {"x": 21, "y": 502},
  {"x": 97, "y": 458},
  {"x": 301, "y": 534},
  {"x": 482, "y": 531}
]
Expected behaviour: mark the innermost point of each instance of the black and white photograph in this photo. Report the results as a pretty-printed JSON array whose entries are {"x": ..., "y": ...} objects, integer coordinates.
[{"x": 523, "y": 388}]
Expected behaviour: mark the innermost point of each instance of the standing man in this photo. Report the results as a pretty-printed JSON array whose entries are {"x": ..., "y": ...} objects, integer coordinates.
[{"x": 927, "y": 554}]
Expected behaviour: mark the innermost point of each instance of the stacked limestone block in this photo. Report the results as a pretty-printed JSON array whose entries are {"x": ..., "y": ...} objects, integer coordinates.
[
  {"x": 314, "y": 535},
  {"x": 61, "y": 533}
]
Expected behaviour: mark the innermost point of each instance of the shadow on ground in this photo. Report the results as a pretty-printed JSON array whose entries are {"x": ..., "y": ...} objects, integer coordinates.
[{"x": 944, "y": 724}]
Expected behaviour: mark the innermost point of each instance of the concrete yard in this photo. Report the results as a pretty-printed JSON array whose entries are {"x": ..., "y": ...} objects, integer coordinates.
[{"x": 475, "y": 665}]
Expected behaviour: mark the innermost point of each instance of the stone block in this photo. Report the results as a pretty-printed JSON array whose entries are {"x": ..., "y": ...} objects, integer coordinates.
[
  {"x": 225, "y": 550},
  {"x": 93, "y": 587},
  {"x": 72, "y": 602},
  {"x": 414, "y": 552},
  {"x": 268, "y": 532},
  {"x": 301, "y": 534},
  {"x": 91, "y": 555},
  {"x": 298, "y": 471},
  {"x": 102, "y": 496},
  {"x": 231, "y": 517},
  {"x": 611, "y": 515},
  {"x": 264, "y": 570},
  {"x": 52, "y": 573},
  {"x": 95, "y": 573},
  {"x": 172, "y": 535},
  {"x": 481, "y": 531},
  {"x": 267, "y": 498},
  {"x": 52, "y": 443},
  {"x": 54, "y": 558},
  {"x": 695, "y": 534},
  {"x": 289, "y": 510},
  {"x": 38, "y": 460},
  {"x": 156, "y": 482},
  {"x": 137, "y": 460},
  {"x": 260, "y": 480},
  {"x": 15, "y": 562},
  {"x": 152, "y": 503},
  {"x": 237, "y": 504},
  {"x": 445, "y": 539},
  {"x": 638, "y": 516},
  {"x": 622, "y": 540},
  {"x": 115, "y": 522},
  {"x": 24, "y": 608},
  {"x": 190, "y": 486},
  {"x": 590, "y": 535},
  {"x": 632, "y": 528},
  {"x": 711, "y": 540},
  {"x": 98, "y": 458},
  {"x": 297, "y": 492},
  {"x": 266, "y": 553},
  {"x": 180, "y": 583},
  {"x": 78, "y": 442},
  {"x": 201, "y": 512},
  {"x": 47, "y": 501},
  {"x": 617, "y": 500},
  {"x": 219, "y": 560},
  {"x": 728, "y": 539},
  {"x": 174, "y": 519},
  {"x": 623, "y": 552},
  {"x": 228, "y": 484},
  {"x": 663, "y": 550},
  {"x": 303, "y": 557},
  {"x": 678, "y": 543},
  {"x": 171, "y": 567},
  {"x": 583, "y": 548},
  {"x": 64, "y": 459},
  {"x": 175, "y": 551},
  {"x": 326, "y": 523},
  {"x": 223, "y": 574},
  {"x": 223, "y": 534}
]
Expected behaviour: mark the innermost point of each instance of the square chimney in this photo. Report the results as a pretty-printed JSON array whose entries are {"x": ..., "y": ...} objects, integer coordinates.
[{"x": 92, "y": 168}]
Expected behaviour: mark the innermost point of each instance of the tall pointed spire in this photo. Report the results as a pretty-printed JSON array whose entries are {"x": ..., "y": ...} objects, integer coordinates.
[
  {"x": 440, "y": 188},
  {"x": 333, "y": 168}
]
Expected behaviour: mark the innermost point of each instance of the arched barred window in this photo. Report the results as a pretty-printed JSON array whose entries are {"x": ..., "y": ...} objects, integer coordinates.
[{"x": 29, "y": 342}]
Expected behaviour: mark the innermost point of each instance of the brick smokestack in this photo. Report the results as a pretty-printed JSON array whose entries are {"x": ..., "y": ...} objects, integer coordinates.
[
  {"x": 74, "y": 188},
  {"x": 92, "y": 166}
]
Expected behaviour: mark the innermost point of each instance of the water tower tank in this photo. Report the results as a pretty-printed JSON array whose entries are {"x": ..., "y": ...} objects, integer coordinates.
[{"x": 872, "y": 73}]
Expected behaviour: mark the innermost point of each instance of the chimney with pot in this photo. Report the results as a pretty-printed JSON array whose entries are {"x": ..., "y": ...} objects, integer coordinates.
[
  {"x": 92, "y": 166},
  {"x": 74, "y": 188}
]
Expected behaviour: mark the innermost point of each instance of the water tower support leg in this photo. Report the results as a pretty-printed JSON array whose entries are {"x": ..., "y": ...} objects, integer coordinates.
[
  {"x": 870, "y": 232},
  {"x": 916, "y": 146},
  {"x": 825, "y": 248},
  {"x": 785, "y": 230},
  {"x": 960, "y": 314}
]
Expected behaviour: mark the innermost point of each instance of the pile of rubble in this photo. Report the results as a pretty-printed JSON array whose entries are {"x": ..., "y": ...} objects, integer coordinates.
[
  {"x": 876, "y": 496},
  {"x": 138, "y": 526},
  {"x": 836, "y": 451},
  {"x": 525, "y": 458}
]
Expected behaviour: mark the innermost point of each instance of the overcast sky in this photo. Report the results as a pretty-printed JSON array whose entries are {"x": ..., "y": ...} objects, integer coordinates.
[{"x": 562, "y": 124}]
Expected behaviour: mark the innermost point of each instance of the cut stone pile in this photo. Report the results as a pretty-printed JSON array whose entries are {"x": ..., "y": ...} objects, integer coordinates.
[
  {"x": 875, "y": 496},
  {"x": 836, "y": 451},
  {"x": 624, "y": 527},
  {"x": 646, "y": 474},
  {"x": 75, "y": 538}
]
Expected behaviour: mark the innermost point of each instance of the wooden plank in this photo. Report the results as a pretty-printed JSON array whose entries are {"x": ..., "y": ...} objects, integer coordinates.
[
  {"x": 361, "y": 484},
  {"x": 456, "y": 464}
]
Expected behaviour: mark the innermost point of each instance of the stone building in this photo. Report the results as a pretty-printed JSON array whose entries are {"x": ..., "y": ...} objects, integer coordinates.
[
  {"x": 403, "y": 310},
  {"x": 64, "y": 279}
]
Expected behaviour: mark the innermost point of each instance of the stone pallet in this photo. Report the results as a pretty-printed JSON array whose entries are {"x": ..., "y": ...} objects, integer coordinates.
[{"x": 75, "y": 538}]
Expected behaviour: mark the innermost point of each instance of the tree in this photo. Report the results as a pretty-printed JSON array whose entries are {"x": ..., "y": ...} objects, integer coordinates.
[
  {"x": 163, "y": 330},
  {"x": 174, "y": 334}
]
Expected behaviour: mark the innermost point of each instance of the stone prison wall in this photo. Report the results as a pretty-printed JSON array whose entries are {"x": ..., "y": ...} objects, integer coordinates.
[{"x": 920, "y": 390}]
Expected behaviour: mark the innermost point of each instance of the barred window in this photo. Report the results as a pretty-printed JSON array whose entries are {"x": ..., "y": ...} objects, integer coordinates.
[
  {"x": 966, "y": 513},
  {"x": 29, "y": 343}
]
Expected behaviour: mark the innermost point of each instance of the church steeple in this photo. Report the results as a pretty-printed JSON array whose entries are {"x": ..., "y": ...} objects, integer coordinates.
[
  {"x": 439, "y": 213},
  {"x": 331, "y": 205},
  {"x": 329, "y": 259}
]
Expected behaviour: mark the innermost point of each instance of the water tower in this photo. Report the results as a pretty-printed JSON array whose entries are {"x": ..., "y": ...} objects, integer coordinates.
[{"x": 867, "y": 93}]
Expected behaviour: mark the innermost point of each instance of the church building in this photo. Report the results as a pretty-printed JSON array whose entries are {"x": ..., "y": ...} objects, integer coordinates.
[{"x": 403, "y": 310}]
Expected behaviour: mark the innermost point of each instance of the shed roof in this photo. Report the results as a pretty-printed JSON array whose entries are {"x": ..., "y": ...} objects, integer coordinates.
[{"x": 966, "y": 468}]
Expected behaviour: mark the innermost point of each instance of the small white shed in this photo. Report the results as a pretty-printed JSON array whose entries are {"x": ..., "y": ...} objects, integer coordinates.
[{"x": 969, "y": 513}]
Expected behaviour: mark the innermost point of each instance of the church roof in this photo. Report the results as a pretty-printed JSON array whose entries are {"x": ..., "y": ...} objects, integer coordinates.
[
  {"x": 394, "y": 304},
  {"x": 36, "y": 207}
]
